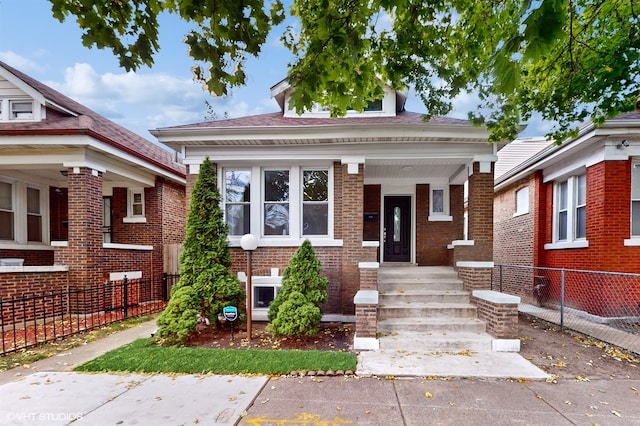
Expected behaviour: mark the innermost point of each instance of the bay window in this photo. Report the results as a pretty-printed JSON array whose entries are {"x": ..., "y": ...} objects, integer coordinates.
[
  {"x": 6, "y": 211},
  {"x": 315, "y": 202},
  {"x": 23, "y": 212},
  {"x": 276, "y": 202},
  {"x": 237, "y": 200}
]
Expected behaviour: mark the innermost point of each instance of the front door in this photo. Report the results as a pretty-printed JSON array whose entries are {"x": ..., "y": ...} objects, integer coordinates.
[{"x": 397, "y": 229}]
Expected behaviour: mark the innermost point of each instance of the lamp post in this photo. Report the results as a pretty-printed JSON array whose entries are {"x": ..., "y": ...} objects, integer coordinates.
[{"x": 249, "y": 243}]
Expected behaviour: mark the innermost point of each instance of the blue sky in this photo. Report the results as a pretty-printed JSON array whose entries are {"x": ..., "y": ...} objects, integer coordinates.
[{"x": 34, "y": 42}]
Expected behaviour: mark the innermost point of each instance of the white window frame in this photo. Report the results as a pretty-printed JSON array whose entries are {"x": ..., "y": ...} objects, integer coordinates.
[
  {"x": 571, "y": 240},
  {"x": 634, "y": 239},
  {"x": 439, "y": 216},
  {"x": 131, "y": 217},
  {"x": 291, "y": 223},
  {"x": 522, "y": 201},
  {"x": 15, "y": 115},
  {"x": 19, "y": 194},
  {"x": 242, "y": 203},
  {"x": 328, "y": 202},
  {"x": 295, "y": 235}
]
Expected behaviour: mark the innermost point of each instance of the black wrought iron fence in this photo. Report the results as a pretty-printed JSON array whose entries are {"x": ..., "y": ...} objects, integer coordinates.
[
  {"x": 31, "y": 319},
  {"x": 603, "y": 305}
]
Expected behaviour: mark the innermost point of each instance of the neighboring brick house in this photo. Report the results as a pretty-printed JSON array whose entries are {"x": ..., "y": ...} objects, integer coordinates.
[
  {"x": 574, "y": 206},
  {"x": 379, "y": 187},
  {"x": 82, "y": 200}
]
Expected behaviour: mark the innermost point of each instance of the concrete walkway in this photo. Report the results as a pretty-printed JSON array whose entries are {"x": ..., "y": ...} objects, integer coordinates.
[{"x": 48, "y": 393}]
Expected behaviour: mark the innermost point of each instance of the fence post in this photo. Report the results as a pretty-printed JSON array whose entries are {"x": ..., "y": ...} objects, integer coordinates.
[
  {"x": 165, "y": 287},
  {"x": 125, "y": 297},
  {"x": 562, "y": 299}
]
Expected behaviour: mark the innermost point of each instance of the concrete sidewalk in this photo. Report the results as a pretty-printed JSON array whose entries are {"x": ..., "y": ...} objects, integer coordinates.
[{"x": 49, "y": 393}]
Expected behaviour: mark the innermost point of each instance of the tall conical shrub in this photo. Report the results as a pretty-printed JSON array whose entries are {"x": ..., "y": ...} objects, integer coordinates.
[
  {"x": 296, "y": 310},
  {"x": 206, "y": 284}
]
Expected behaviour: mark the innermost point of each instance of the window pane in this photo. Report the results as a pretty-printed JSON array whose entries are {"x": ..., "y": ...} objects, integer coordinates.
[
  {"x": 237, "y": 186},
  {"x": 562, "y": 225},
  {"x": 137, "y": 209},
  {"x": 635, "y": 182},
  {"x": 137, "y": 198},
  {"x": 396, "y": 224},
  {"x": 635, "y": 218},
  {"x": 33, "y": 201},
  {"x": 315, "y": 185},
  {"x": 522, "y": 200},
  {"x": 6, "y": 225},
  {"x": 276, "y": 219},
  {"x": 263, "y": 296},
  {"x": 238, "y": 218},
  {"x": 315, "y": 219},
  {"x": 375, "y": 105},
  {"x": 562, "y": 195},
  {"x": 438, "y": 201},
  {"x": 581, "y": 222},
  {"x": 581, "y": 190},
  {"x": 34, "y": 228},
  {"x": 5, "y": 196},
  {"x": 276, "y": 185}
]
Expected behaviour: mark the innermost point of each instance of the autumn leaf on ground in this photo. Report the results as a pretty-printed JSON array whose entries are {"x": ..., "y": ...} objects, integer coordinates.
[{"x": 428, "y": 395}]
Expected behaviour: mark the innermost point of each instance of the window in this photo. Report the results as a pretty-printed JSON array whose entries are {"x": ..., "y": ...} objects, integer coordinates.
[
  {"x": 34, "y": 216},
  {"x": 437, "y": 201},
  {"x": 106, "y": 220},
  {"x": 21, "y": 110},
  {"x": 522, "y": 201},
  {"x": 439, "y": 204},
  {"x": 570, "y": 209},
  {"x": 315, "y": 202},
  {"x": 6, "y": 211},
  {"x": 237, "y": 200},
  {"x": 23, "y": 213},
  {"x": 135, "y": 206},
  {"x": 635, "y": 200},
  {"x": 276, "y": 202}
]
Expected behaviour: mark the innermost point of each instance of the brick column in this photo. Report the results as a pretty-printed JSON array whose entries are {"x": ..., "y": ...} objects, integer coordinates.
[
  {"x": 85, "y": 227},
  {"x": 352, "y": 228}
]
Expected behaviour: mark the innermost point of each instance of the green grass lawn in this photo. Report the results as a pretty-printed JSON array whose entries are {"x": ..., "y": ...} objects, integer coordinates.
[{"x": 144, "y": 356}]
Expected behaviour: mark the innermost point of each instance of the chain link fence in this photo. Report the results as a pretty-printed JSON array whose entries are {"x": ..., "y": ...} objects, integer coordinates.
[{"x": 603, "y": 305}]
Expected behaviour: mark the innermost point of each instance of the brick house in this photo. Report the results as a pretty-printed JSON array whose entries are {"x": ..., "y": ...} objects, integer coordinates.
[
  {"x": 573, "y": 206},
  {"x": 82, "y": 200},
  {"x": 381, "y": 187}
]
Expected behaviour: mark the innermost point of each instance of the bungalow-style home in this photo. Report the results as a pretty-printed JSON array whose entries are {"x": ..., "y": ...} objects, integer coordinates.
[
  {"x": 574, "y": 205},
  {"x": 372, "y": 190},
  {"x": 82, "y": 200}
]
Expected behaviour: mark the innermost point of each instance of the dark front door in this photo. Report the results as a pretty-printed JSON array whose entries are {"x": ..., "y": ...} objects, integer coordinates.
[{"x": 397, "y": 229}]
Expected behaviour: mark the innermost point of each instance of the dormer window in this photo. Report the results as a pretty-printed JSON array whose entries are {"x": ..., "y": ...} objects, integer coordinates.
[
  {"x": 20, "y": 110},
  {"x": 372, "y": 106}
]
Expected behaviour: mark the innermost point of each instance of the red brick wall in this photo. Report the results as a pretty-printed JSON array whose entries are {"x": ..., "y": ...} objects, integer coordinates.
[
  {"x": 173, "y": 211},
  {"x": 433, "y": 237},
  {"x": 501, "y": 318},
  {"x": 265, "y": 258},
  {"x": 31, "y": 257},
  {"x": 513, "y": 236},
  {"x": 480, "y": 216},
  {"x": 21, "y": 283}
]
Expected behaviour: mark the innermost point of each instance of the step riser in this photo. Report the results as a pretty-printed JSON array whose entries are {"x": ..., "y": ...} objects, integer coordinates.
[
  {"x": 386, "y": 287},
  {"x": 386, "y": 328},
  {"x": 430, "y": 312},
  {"x": 443, "y": 346},
  {"x": 388, "y": 299}
]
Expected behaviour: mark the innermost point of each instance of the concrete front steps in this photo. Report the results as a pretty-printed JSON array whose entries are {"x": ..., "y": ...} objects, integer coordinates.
[
  {"x": 425, "y": 309},
  {"x": 427, "y": 327}
]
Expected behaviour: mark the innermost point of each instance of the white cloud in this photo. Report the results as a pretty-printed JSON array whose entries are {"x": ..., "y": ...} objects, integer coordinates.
[{"x": 19, "y": 62}]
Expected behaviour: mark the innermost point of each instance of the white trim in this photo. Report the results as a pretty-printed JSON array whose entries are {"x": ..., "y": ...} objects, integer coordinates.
[
  {"x": 117, "y": 246},
  {"x": 371, "y": 244},
  {"x": 11, "y": 245},
  {"x": 505, "y": 345},
  {"x": 234, "y": 241},
  {"x": 472, "y": 264},
  {"x": 496, "y": 297},
  {"x": 366, "y": 297},
  {"x": 440, "y": 218},
  {"x": 456, "y": 243},
  {"x": 632, "y": 242},
  {"x": 365, "y": 343},
  {"x": 368, "y": 265},
  {"x": 59, "y": 243},
  {"x": 119, "y": 276},
  {"x": 567, "y": 245},
  {"x": 53, "y": 268},
  {"x": 134, "y": 220}
]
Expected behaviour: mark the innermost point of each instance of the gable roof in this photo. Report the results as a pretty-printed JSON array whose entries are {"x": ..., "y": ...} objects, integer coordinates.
[{"x": 68, "y": 117}]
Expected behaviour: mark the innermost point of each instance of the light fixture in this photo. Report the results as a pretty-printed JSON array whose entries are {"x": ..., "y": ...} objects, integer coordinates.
[
  {"x": 249, "y": 243},
  {"x": 623, "y": 144}
]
